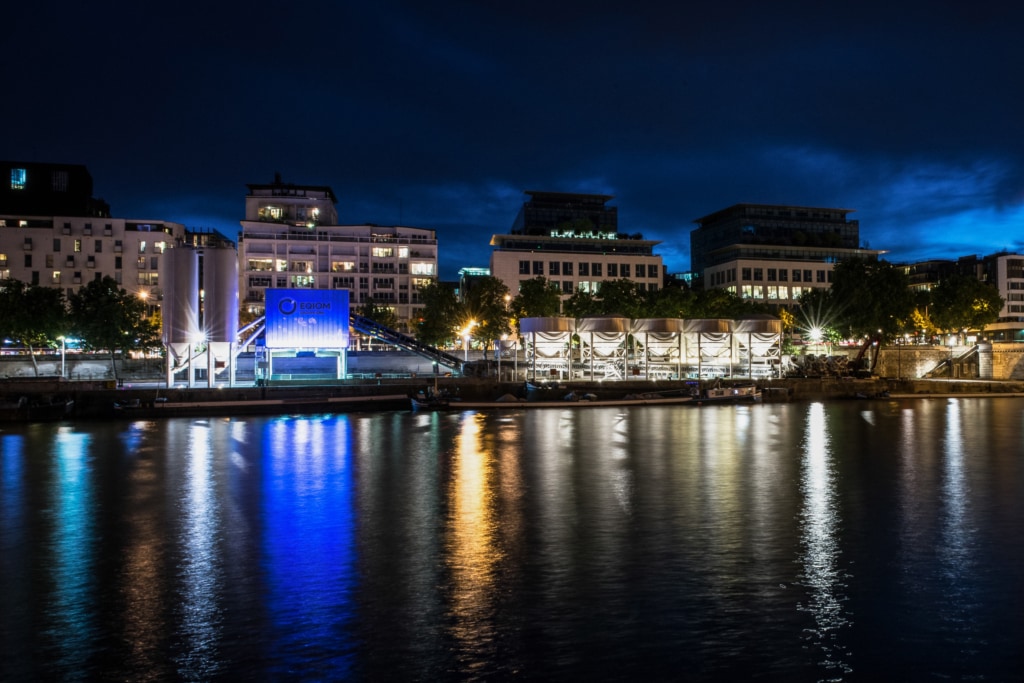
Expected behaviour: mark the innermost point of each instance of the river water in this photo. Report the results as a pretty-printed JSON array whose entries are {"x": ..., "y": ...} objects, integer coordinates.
[{"x": 846, "y": 541}]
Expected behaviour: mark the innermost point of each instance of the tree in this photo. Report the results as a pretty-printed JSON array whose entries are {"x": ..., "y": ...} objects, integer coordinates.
[
  {"x": 961, "y": 302},
  {"x": 442, "y": 314},
  {"x": 871, "y": 299},
  {"x": 105, "y": 316},
  {"x": 487, "y": 305},
  {"x": 537, "y": 298},
  {"x": 721, "y": 303},
  {"x": 621, "y": 297},
  {"x": 32, "y": 315},
  {"x": 581, "y": 304},
  {"x": 378, "y": 313},
  {"x": 674, "y": 301}
]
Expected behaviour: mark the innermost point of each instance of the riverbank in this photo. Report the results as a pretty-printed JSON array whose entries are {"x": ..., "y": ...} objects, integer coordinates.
[{"x": 49, "y": 398}]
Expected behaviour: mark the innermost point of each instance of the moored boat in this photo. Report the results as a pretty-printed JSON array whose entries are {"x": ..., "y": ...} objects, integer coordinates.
[{"x": 741, "y": 394}]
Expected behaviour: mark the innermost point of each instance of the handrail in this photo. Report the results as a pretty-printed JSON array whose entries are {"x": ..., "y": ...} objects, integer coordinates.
[{"x": 404, "y": 341}]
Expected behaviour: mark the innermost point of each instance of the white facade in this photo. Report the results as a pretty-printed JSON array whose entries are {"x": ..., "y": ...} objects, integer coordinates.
[
  {"x": 575, "y": 263},
  {"x": 769, "y": 281},
  {"x": 386, "y": 265},
  {"x": 1010, "y": 282},
  {"x": 68, "y": 252}
]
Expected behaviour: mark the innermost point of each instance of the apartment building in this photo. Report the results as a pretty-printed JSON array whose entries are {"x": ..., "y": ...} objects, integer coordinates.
[
  {"x": 290, "y": 239},
  {"x": 773, "y": 254},
  {"x": 573, "y": 240},
  {"x": 82, "y": 242}
]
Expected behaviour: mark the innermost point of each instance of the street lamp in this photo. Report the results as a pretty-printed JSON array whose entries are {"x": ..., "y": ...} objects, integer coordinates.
[{"x": 465, "y": 338}]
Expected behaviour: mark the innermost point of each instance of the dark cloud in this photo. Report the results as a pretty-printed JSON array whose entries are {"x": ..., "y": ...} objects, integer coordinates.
[{"x": 441, "y": 114}]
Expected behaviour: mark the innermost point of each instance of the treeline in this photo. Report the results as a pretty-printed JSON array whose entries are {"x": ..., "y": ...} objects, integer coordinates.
[{"x": 100, "y": 316}]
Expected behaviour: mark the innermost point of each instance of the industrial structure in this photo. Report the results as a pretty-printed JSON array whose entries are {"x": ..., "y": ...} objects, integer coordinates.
[{"x": 616, "y": 348}]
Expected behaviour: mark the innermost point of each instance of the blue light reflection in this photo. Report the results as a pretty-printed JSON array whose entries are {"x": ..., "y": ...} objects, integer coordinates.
[{"x": 309, "y": 543}]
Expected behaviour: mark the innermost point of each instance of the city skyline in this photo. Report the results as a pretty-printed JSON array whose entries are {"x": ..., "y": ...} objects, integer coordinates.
[{"x": 442, "y": 117}]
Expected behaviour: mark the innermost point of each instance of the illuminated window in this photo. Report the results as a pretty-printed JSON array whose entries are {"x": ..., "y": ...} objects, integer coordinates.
[
  {"x": 18, "y": 178},
  {"x": 422, "y": 268},
  {"x": 282, "y": 266},
  {"x": 262, "y": 264},
  {"x": 303, "y": 281},
  {"x": 383, "y": 252},
  {"x": 142, "y": 247},
  {"x": 78, "y": 246},
  {"x": 272, "y": 213},
  {"x": 403, "y": 252},
  {"x": 160, "y": 247},
  {"x": 342, "y": 266}
]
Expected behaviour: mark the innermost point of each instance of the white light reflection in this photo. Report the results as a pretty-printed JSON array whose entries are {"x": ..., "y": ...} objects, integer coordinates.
[
  {"x": 955, "y": 552},
  {"x": 821, "y": 575},
  {"x": 200, "y": 571}
]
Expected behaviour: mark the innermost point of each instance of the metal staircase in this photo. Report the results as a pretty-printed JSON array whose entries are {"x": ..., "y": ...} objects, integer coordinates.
[{"x": 405, "y": 342}]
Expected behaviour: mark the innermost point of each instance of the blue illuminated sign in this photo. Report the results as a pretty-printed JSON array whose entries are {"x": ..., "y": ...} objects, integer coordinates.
[{"x": 312, "y": 318}]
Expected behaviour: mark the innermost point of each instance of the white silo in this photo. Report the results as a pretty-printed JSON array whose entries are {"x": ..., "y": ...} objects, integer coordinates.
[{"x": 220, "y": 308}]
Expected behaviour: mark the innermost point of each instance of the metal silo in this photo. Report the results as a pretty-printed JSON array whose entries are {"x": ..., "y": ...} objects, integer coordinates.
[{"x": 220, "y": 294}]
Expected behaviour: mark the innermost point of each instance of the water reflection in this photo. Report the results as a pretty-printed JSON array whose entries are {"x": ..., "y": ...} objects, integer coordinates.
[
  {"x": 471, "y": 546},
  {"x": 143, "y": 592},
  {"x": 820, "y": 521},
  {"x": 308, "y": 543},
  {"x": 73, "y": 608},
  {"x": 201, "y": 570},
  {"x": 956, "y": 550}
]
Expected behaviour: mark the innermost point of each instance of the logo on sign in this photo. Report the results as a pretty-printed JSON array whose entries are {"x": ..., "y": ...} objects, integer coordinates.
[{"x": 287, "y": 306}]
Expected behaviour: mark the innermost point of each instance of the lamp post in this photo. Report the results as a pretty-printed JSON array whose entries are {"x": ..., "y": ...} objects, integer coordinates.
[
  {"x": 465, "y": 339},
  {"x": 899, "y": 357},
  {"x": 62, "y": 375},
  {"x": 501, "y": 349}
]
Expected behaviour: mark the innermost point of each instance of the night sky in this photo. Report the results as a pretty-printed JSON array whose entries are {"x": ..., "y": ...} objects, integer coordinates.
[{"x": 440, "y": 115}]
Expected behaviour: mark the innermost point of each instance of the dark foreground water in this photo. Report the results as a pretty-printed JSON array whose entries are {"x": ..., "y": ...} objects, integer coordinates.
[{"x": 798, "y": 542}]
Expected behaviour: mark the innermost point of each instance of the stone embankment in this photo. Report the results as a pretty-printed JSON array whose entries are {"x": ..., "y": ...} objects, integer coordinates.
[{"x": 98, "y": 400}]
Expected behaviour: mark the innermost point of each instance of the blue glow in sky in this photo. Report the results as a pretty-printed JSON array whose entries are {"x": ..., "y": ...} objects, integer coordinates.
[{"x": 440, "y": 115}]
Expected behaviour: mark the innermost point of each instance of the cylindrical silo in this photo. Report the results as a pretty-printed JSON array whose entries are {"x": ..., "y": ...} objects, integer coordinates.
[
  {"x": 181, "y": 295},
  {"x": 220, "y": 294}
]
